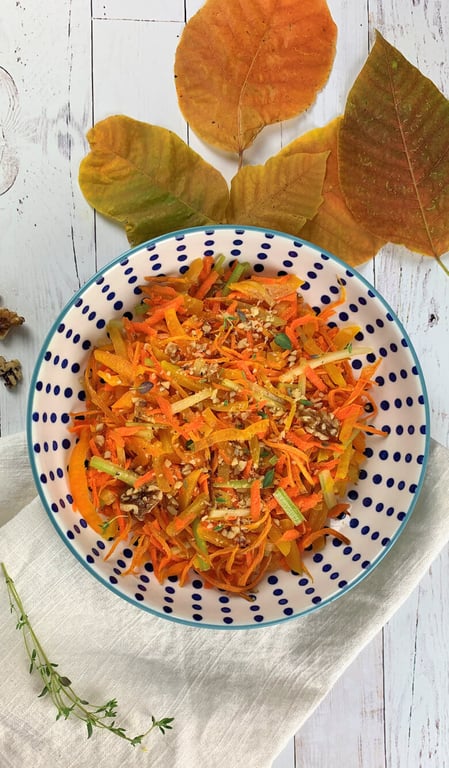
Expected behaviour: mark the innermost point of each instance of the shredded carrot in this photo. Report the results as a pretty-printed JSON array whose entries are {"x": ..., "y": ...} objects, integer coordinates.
[
  {"x": 220, "y": 391},
  {"x": 255, "y": 501}
]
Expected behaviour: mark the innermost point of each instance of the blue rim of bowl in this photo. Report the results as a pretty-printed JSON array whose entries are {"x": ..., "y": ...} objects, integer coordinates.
[{"x": 210, "y": 229}]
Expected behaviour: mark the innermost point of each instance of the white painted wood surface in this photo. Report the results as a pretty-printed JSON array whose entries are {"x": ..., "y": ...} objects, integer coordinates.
[{"x": 67, "y": 63}]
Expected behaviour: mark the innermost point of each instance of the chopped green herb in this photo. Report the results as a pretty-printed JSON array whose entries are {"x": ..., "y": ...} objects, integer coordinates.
[
  {"x": 228, "y": 320},
  {"x": 282, "y": 340},
  {"x": 104, "y": 526},
  {"x": 268, "y": 478}
]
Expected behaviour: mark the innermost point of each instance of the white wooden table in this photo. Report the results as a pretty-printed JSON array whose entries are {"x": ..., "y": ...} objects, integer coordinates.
[{"x": 65, "y": 64}]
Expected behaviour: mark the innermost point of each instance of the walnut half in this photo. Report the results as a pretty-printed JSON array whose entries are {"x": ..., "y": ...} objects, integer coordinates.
[
  {"x": 8, "y": 320},
  {"x": 10, "y": 372}
]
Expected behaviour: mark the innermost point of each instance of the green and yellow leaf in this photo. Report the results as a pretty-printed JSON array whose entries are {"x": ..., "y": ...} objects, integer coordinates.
[
  {"x": 242, "y": 66},
  {"x": 282, "y": 194},
  {"x": 149, "y": 180},
  {"x": 394, "y": 153}
]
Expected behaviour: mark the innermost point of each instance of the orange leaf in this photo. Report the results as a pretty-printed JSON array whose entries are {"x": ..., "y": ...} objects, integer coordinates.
[
  {"x": 334, "y": 228},
  {"x": 394, "y": 153},
  {"x": 242, "y": 66}
]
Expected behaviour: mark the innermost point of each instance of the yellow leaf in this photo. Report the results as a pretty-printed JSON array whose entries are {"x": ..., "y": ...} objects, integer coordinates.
[
  {"x": 394, "y": 153},
  {"x": 149, "y": 180},
  {"x": 333, "y": 228},
  {"x": 240, "y": 66},
  {"x": 282, "y": 194}
]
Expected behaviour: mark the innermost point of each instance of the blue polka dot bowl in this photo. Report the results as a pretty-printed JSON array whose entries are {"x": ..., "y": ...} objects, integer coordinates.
[{"x": 381, "y": 502}]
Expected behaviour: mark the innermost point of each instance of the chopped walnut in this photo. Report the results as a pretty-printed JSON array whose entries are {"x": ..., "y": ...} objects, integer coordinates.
[
  {"x": 10, "y": 372},
  {"x": 8, "y": 319},
  {"x": 318, "y": 422},
  {"x": 172, "y": 350},
  {"x": 140, "y": 501}
]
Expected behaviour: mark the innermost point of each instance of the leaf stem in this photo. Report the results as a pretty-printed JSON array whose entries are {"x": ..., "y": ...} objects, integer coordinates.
[
  {"x": 59, "y": 687},
  {"x": 442, "y": 265}
]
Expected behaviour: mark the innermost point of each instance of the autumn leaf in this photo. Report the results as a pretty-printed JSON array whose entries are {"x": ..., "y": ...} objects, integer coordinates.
[
  {"x": 334, "y": 228},
  {"x": 241, "y": 66},
  {"x": 394, "y": 153},
  {"x": 282, "y": 194},
  {"x": 149, "y": 180}
]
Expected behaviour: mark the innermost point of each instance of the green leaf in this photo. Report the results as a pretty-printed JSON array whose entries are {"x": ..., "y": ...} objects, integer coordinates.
[
  {"x": 394, "y": 153},
  {"x": 282, "y": 194},
  {"x": 32, "y": 660},
  {"x": 164, "y": 724},
  {"x": 149, "y": 180}
]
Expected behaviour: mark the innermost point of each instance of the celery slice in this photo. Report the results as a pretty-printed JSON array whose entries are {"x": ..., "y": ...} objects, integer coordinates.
[
  {"x": 120, "y": 473},
  {"x": 289, "y": 507},
  {"x": 238, "y": 272}
]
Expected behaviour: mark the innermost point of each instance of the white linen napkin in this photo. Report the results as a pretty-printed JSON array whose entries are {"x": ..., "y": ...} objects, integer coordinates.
[{"x": 237, "y": 696}]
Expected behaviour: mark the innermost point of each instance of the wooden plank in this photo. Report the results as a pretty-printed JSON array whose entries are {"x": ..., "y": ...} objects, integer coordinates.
[
  {"x": 139, "y": 10},
  {"x": 417, "y": 674},
  {"x": 138, "y": 79},
  {"x": 45, "y": 226},
  {"x": 418, "y": 291},
  {"x": 347, "y": 728}
]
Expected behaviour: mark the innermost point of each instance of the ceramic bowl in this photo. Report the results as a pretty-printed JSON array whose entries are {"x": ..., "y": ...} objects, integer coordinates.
[{"x": 390, "y": 481}]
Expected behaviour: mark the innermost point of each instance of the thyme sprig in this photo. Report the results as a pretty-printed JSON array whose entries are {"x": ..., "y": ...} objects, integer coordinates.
[{"x": 59, "y": 688}]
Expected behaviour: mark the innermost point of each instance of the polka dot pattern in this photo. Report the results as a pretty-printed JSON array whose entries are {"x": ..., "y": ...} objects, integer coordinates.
[{"x": 389, "y": 484}]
